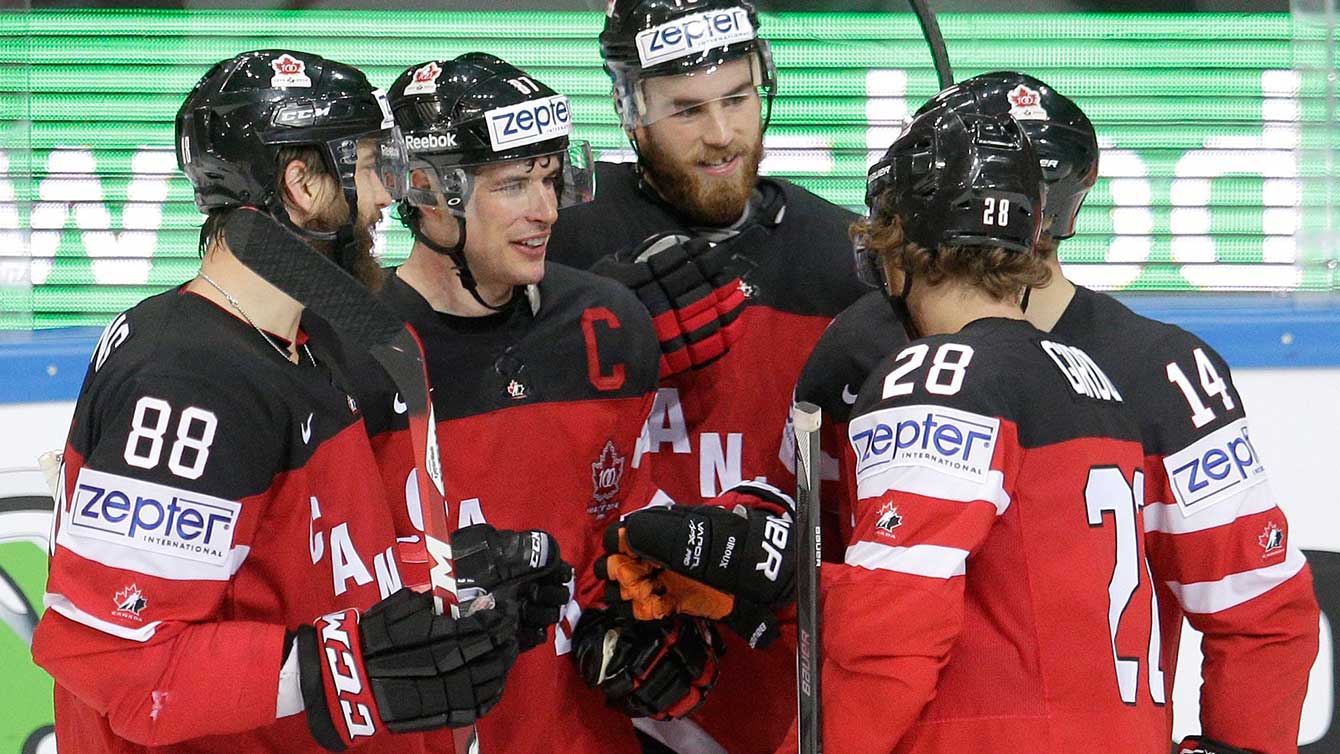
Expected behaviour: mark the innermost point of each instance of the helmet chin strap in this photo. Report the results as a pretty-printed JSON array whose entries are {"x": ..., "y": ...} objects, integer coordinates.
[
  {"x": 456, "y": 254},
  {"x": 899, "y": 305},
  {"x": 343, "y": 241}
]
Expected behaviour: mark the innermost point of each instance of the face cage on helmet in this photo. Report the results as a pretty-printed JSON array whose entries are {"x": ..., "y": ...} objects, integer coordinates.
[
  {"x": 456, "y": 181},
  {"x": 636, "y": 111},
  {"x": 390, "y": 161}
]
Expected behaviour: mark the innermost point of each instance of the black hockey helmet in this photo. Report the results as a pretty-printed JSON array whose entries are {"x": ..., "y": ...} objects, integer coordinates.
[
  {"x": 1062, "y": 134},
  {"x": 479, "y": 109},
  {"x": 245, "y": 109},
  {"x": 644, "y": 39},
  {"x": 959, "y": 178},
  {"x": 459, "y": 115}
]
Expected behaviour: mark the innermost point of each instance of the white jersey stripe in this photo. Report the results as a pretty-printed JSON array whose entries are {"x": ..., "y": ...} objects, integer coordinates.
[
  {"x": 153, "y": 564},
  {"x": 1168, "y": 518},
  {"x": 1237, "y": 588},
  {"x": 62, "y": 604},
  {"x": 935, "y": 561},
  {"x": 920, "y": 480}
]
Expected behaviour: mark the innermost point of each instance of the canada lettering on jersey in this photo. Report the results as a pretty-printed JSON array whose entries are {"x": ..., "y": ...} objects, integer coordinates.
[
  {"x": 1216, "y": 468},
  {"x": 720, "y": 464},
  {"x": 153, "y": 517},
  {"x": 944, "y": 439}
]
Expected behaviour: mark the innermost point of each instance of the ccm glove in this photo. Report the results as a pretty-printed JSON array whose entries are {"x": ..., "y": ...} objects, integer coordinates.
[
  {"x": 659, "y": 669},
  {"x": 402, "y": 667},
  {"x": 692, "y": 290},
  {"x": 519, "y": 572},
  {"x": 1200, "y": 745},
  {"x": 734, "y": 563}
]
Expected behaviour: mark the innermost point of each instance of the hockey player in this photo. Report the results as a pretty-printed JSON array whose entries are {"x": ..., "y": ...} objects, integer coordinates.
[
  {"x": 1267, "y": 631},
  {"x": 552, "y": 372},
  {"x": 224, "y": 575},
  {"x": 988, "y": 441},
  {"x": 741, "y": 274}
]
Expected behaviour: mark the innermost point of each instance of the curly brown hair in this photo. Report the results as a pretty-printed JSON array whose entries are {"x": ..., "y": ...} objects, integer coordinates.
[{"x": 1000, "y": 273}]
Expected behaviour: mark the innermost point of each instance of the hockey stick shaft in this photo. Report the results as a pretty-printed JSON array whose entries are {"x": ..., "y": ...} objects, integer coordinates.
[
  {"x": 806, "y": 418},
  {"x": 286, "y": 261},
  {"x": 930, "y": 29}
]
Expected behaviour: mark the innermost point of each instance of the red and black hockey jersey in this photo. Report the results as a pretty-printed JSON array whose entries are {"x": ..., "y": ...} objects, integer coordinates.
[
  {"x": 215, "y": 497},
  {"x": 714, "y": 427},
  {"x": 994, "y": 593},
  {"x": 538, "y": 413},
  {"x": 859, "y": 338},
  {"x": 1216, "y": 539}
]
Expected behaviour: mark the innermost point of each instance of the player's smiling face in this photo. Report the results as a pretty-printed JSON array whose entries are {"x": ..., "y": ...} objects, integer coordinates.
[
  {"x": 703, "y": 157},
  {"x": 511, "y": 210}
]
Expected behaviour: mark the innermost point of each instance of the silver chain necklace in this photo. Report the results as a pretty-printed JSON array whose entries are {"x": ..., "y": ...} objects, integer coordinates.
[{"x": 233, "y": 301}]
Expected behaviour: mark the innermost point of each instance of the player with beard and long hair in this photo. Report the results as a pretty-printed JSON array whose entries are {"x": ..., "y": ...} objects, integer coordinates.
[
  {"x": 224, "y": 574},
  {"x": 740, "y": 273}
]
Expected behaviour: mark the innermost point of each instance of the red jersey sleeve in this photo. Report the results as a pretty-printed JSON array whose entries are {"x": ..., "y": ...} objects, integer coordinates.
[
  {"x": 920, "y": 515},
  {"x": 1219, "y": 548},
  {"x": 166, "y": 480}
]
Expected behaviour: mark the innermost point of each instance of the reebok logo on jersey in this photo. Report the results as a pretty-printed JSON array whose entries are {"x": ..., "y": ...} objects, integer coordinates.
[
  {"x": 1215, "y": 468},
  {"x": 529, "y": 122},
  {"x": 695, "y": 33},
  {"x": 955, "y": 442},
  {"x": 153, "y": 518}
]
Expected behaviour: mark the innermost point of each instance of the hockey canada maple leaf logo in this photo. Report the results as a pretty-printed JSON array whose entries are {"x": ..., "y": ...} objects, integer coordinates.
[
  {"x": 1271, "y": 540},
  {"x": 287, "y": 65},
  {"x": 289, "y": 71},
  {"x": 1026, "y": 103},
  {"x": 130, "y": 602},
  {"x": 888, "y": 520},
  {"x": 425, "y": 79},
  {"x": 429, "y": 72},
  {"x": 606, "y": 475},
  {"x": 516, "y": 390}
]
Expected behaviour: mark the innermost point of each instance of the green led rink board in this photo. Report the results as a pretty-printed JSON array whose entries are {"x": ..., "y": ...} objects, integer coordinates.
[{"x": 1219, "y": 131}]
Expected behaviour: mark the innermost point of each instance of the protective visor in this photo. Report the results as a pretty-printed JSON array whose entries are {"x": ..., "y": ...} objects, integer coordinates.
[
  {"x": 569, "y": 173},
  {"x": 377, "y": 155},
  {"x": 738, "y": 82}
]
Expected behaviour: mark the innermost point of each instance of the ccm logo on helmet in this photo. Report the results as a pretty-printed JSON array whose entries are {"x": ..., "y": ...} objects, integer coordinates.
[
  {"x": 431, "y": 142},
  {"x": 529, "y": 122},
  {"x": 1216, "y": 468},
  {"x": 690, "y": 34}
]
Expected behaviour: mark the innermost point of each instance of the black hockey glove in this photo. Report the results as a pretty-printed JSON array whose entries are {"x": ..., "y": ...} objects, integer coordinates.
[
  {"x": 732, "y": 560},
  {"x": 1200, "y": 745},
  {"x": 521, "y": 572},
  {"x": 691, "y": 288},
  {"x": 659, "y": 669},
  {"x": 402, "y": 667}
]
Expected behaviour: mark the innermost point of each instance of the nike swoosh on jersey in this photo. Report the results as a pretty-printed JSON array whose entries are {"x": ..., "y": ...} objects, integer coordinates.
[
  {"x": 848, "y": 397},
  {"x": 399, "y": 405},
  {"x": 307, "y": 429}
]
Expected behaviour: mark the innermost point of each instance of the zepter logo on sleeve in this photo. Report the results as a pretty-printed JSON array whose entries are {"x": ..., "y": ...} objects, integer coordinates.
[{"x": 116, "y": 520}]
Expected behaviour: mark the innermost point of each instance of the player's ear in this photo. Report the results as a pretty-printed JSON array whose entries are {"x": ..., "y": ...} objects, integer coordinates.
[{"x": 302, "y": 190}]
